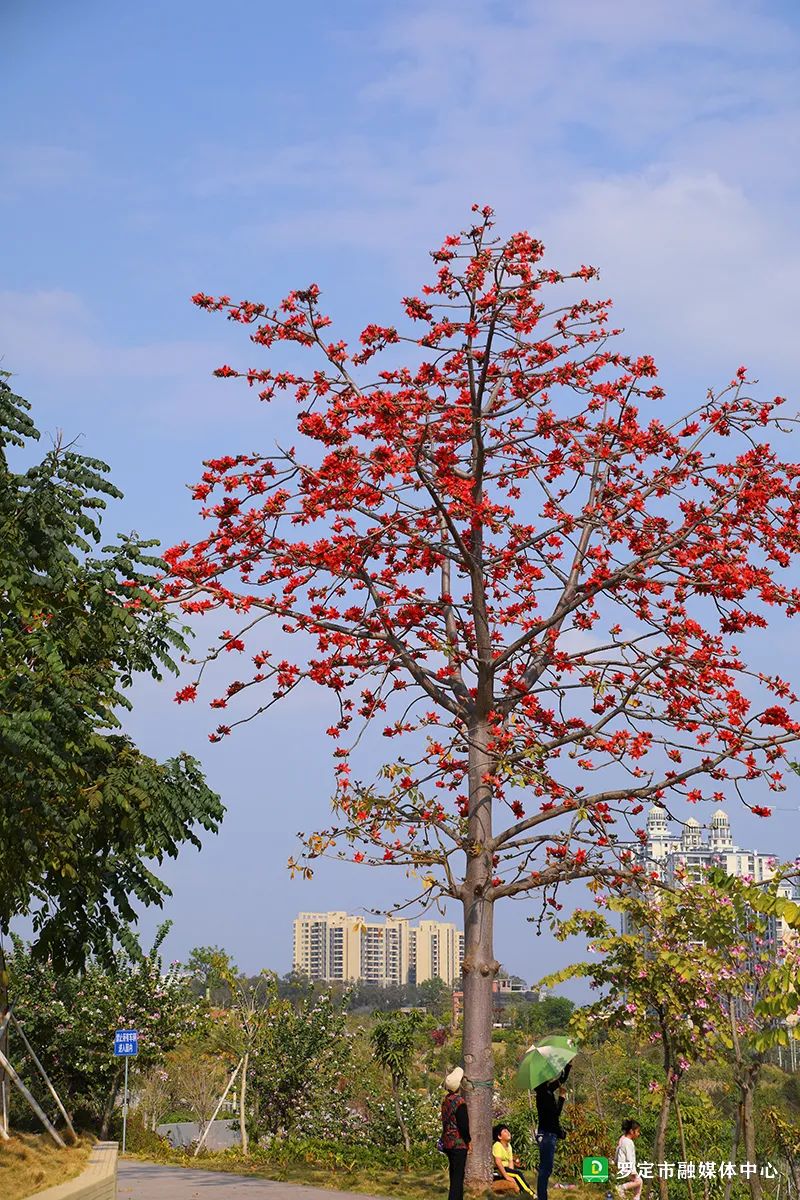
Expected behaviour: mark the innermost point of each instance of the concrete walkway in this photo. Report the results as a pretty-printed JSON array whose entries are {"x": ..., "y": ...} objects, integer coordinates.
[{"x": 151, "y": 1181}]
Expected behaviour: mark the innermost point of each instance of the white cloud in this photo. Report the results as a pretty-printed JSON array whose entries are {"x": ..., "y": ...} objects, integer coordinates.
[
  {"x": 649, "y": 139},
  {"x": 38, "y": 166},
  {"x": 53, "y": 333},
  {"x": 695, "y": 262},
  {"x": 71, "y": 368}
]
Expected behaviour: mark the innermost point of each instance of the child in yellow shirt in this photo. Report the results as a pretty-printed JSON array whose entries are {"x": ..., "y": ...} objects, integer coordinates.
[{"x": 505, "y": 1165}]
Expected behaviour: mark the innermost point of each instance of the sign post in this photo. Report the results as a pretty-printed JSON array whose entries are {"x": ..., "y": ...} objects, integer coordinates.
[{"x": 126, "y": 1043}]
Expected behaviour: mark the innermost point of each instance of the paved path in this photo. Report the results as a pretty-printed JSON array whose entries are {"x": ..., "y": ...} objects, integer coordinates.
[{"x": 150, "y": 1181}]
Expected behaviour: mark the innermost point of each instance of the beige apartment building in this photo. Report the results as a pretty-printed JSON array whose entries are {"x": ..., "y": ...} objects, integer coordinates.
[{"x": 339, "y": 947}]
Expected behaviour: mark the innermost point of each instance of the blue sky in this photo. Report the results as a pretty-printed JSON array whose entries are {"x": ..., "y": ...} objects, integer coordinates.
[{"x": 162, "y": 149}]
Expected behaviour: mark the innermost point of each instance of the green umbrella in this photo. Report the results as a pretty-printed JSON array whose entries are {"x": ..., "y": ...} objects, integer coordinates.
[{"x": 545, "y": 1061}]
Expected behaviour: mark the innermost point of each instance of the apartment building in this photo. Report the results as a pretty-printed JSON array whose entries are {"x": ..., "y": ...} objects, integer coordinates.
[{"x": 338, "y": 947}]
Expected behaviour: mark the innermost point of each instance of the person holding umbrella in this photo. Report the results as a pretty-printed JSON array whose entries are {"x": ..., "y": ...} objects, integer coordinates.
[
  {"x": 550, "y": 1099},
  {"x": 544, "y": 1071}
]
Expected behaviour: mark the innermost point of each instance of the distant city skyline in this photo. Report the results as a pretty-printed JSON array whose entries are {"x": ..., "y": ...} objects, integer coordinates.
[{"x": 696, "y": 847}]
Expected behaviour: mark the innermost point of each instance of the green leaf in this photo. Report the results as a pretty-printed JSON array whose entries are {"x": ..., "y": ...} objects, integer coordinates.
[{"x": 81, "y": 809}]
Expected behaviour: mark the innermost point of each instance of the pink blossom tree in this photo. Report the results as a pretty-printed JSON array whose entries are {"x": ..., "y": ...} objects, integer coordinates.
[{"x": 699, "y": 972}]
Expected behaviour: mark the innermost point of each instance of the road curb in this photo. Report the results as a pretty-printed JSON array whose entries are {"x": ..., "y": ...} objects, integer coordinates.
[{"x": 97, "y": 1182}]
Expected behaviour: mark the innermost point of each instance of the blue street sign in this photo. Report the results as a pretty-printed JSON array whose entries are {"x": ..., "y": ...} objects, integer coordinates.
[{"x": 126, "y": 1042}]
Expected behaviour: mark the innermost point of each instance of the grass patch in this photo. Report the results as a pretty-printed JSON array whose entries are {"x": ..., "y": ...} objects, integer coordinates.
[
  {"x": 31, "y": 1162},
  {"x": 373, "y": 1180}
]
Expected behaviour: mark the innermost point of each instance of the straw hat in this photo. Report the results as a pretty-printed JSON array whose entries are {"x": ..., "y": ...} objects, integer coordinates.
[{"x": 453, "y": 1081}]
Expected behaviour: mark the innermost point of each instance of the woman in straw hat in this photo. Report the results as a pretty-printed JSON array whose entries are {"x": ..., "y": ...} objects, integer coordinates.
[{"x": 456, "y": 1141}]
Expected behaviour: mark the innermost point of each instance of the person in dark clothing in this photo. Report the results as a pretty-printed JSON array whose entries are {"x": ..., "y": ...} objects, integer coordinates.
[
  {"x": 549, "y": 1103},
  {"x": 456, "y": 1141}
]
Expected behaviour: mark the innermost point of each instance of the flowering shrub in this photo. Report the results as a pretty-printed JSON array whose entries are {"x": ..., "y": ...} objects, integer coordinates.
[
  {"x": 301, "y": 1070},
  {"x": 420, "y": 1114},
  {"x": 349, "y": 1155},
  {"x": 70, "y": 1019}
]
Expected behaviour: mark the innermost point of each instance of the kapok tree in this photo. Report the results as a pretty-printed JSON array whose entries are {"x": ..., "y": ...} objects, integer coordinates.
[{"x": 486, "y": 549}]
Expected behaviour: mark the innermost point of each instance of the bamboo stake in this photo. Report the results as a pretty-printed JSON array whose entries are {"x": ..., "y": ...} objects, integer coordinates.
[
  {"x": 4, "y": 1088},
  {"x": 55, "y": 1135},
  {"x": 4, "y": 1113},
  {"x": 44, "y": 1076},
  {"x": 216, "y": 1110}
]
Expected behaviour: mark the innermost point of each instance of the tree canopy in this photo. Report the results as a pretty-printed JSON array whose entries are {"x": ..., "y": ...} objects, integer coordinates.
[
  {"x": 503, "y": 552},
  {"x": 703, "y": 973},
  {"x": 83, "y": 812}
]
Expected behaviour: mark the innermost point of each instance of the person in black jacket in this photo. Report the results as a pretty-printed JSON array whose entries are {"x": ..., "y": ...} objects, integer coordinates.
[{"x": 549, "y": 1103}]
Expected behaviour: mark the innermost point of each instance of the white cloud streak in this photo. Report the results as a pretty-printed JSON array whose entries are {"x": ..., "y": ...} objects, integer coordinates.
[{"x": 648, "y": 138}]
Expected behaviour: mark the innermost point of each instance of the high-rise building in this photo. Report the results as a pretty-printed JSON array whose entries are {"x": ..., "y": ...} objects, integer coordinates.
[
  {"x": 327, "y": 946},
  {"x": 688, "y": 855},
  {"x": 437, "y": 952},
  {"x": 692, "y": 854},
  {"x": 337, "y": 947}
]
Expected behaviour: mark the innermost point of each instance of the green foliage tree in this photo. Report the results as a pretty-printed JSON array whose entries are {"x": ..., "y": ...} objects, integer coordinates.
[
  {"x": 155, "y": 1096},
  {"x": 549, "y": 1015},
  {"x": 243, "y": 1030},
  {"x": 653, "y": 981},
  {"x": 761, "y": 995},
  {"x": 435, "y": 996},
  {"x": 393, "y": 1037},
  {"x": 70, "y": 1019},
  {"x": 211, "y": 968},
  {"x": 83, "y": 812},
  {"x": 196, "y": 1081},
  {"x": 294, "y": 986}
]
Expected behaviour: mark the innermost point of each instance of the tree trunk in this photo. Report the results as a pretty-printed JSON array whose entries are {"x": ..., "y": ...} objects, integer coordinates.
[
  {"x": 480, "y": 966},
  {"x": 683, "y": 1144},
  {"x": 4, "y": 1082},
  {"x": 659, "y": 1149},
  {"x": 242, "y": 1106},
  {"x": 111, "y": 1100},
  {"x": 749, "y": 1132},
  {"x": 734, "y": 1147},
  {"x": 399, "y": 1114}
]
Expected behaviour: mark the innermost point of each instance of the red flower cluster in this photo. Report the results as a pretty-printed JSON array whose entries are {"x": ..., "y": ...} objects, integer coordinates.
[{"x": 506, "y": 527}]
